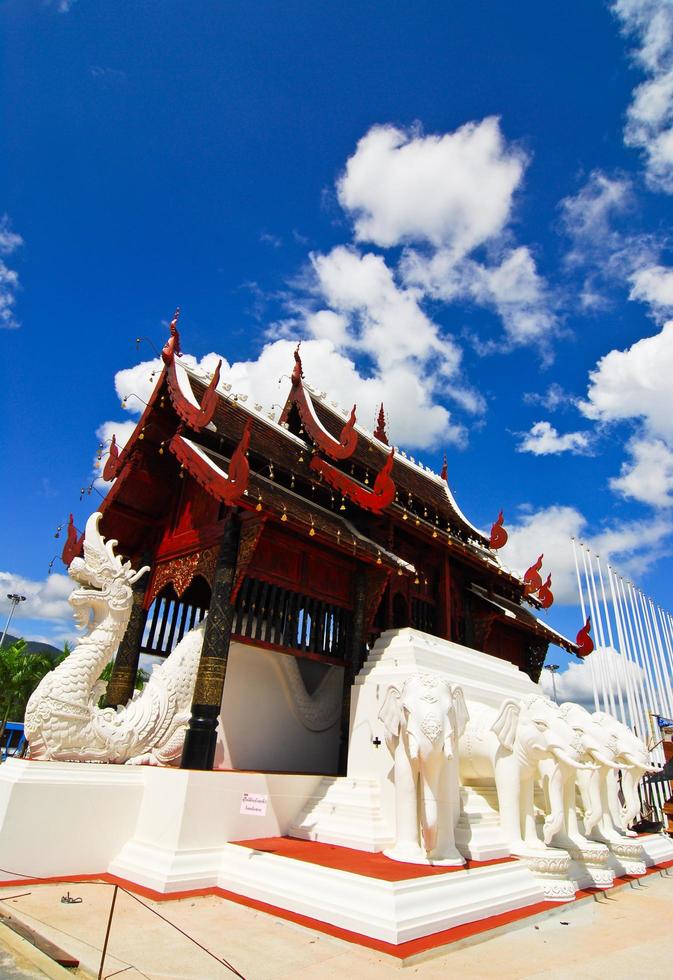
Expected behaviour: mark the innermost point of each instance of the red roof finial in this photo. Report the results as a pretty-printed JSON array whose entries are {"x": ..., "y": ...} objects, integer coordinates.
[
  {"x": 297, "y": 371},
  {"x": 380, "y": 430},
  {"x": 531, "y": 579},
  {"x": 445, "y": 469},
  {"x": 73, "y": 545},
  {"x": 172, "y": 346},
  {"x": 583, "y": 640},
  {"x": 498, "y": 533}
]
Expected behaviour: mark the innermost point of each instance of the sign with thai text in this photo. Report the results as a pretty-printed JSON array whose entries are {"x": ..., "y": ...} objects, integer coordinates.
[{"x": 254, "y": 804}]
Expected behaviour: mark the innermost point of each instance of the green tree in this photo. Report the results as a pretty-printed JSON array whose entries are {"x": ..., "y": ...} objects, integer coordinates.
[{"x": 20, "y": 673}]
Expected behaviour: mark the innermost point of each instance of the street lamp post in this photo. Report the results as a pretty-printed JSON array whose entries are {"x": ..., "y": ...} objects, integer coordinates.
[
  {"x": 15, "y": 599},
  {"x": 552, "y": 668}
]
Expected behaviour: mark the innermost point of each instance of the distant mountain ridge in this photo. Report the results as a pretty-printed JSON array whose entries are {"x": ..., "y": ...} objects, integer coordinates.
[{"x": 35, "y": 646}]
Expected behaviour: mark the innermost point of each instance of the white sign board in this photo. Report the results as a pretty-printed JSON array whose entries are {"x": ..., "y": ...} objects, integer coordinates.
[{"x": 254, "y": 804}]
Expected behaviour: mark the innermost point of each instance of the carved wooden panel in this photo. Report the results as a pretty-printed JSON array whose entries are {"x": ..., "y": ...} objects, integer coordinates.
[
  {"x": 331, "y": 578},
  {"x": 275, "y": 558}
]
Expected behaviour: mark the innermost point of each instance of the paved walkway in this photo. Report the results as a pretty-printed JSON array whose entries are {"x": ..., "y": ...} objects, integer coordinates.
[{"x": 624, "y": 934}]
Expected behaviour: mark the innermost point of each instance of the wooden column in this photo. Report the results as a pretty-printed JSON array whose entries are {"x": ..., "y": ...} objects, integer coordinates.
[
  {"x": 355, "y": 660},
  {"x": 201, "y": 737},
  {"x": 123, "y": 678}
]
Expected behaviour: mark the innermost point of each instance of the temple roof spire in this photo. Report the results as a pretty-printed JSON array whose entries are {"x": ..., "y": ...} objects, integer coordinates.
[{"x": 380, "y": 430}]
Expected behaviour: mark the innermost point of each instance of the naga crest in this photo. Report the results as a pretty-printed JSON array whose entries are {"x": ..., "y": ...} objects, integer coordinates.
[{"x": 105, "y": 581}]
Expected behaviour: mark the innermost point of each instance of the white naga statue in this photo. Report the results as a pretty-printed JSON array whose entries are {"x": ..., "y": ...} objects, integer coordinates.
[{"x": 63, "y": 721}]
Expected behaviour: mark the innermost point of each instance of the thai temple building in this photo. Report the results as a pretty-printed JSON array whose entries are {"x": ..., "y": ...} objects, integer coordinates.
[
  {"x": 325, "y": 537},
  {"x": 344, "y": 726}
]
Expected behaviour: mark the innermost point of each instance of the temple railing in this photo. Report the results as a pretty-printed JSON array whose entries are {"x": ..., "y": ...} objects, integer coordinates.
[
  {"x": 265, "y": 615},
  {"x": 271, "y": 616},
  {"x": 167, "y": 622}
]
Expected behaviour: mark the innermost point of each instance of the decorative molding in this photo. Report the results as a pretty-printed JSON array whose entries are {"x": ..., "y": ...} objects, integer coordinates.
[{"x": 180, "y": 572}]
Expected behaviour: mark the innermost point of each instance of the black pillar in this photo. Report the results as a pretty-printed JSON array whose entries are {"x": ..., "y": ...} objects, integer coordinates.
[
  {"x": 123, "y": 678},
  {"x": 354, "y": 662},
  {"x": 201, "y": 738}
]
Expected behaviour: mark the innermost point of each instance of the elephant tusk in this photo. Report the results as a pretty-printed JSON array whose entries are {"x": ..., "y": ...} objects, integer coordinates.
[
  {"x": 606, "y": 762},
  {"x": 562, "y": 757},
  {"x": 640, "y": 765}
]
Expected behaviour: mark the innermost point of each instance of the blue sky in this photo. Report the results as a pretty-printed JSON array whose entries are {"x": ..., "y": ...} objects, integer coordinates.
[{"x": 462, "y": 207}]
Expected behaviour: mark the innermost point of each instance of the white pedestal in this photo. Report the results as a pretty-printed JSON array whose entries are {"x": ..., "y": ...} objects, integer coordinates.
[
  {"x": 187, "y": 818},
  {"x": 657, "y": 848},
  {"x": 347, "y": 812},
  {"x": 391, "y": 911}
]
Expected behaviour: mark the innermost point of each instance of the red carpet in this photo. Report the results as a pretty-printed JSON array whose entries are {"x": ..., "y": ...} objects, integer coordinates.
[{"x": 356, "y": 862}]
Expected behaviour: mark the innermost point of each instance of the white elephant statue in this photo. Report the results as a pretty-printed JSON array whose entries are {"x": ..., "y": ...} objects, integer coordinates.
[
  {"x": 598, "y": 756},
  {"x": 509, "y": 745},
  {"x": 423, "y": 722},
  {"x": 634, "y": 758},
  {"x": 602, "y": 748}
]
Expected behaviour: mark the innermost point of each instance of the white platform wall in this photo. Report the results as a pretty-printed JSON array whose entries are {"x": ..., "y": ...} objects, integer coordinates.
[{"x": 259, "y": 726}]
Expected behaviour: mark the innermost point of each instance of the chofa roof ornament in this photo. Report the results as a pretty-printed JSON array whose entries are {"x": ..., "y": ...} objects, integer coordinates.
[
  {"x": 380, "y": 430},
  {"x": 499, "y": 535},
  {"x": 172, "y": 348}
]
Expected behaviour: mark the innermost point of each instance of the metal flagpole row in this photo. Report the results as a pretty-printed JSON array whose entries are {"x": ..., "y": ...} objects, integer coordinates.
[
  {"x": 668, "y": 639},
  {"x": 644, "y": 660},
  {"x": 604, "y": 656},
  {"x": 595, "y": 619},
  {"x": 663, "y": 675},
  {"x": 618, "y": 663},
  {"x": 657, "y": 682},
  {"x": 624, "y": 659},
  {"x": 661, "y": 653},
  {"x": 637, "y": 674},
  {"x": 584, "y": 618},
  {"x": 645, "y": 694}
]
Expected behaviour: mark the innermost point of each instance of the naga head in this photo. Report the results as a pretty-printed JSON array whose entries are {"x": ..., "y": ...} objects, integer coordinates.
[{"x": 104, "y": 581}]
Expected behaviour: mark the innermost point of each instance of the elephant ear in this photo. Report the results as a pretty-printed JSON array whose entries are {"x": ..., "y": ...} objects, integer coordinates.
[
  {"x": 391, "y": 716},
  {"x": 505, "y": 725},
  {"x": 462, "y": 715}
]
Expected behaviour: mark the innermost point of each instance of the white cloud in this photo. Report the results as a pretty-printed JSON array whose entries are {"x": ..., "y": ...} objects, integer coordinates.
[
  {"x": 415, "y": 420},
  {"x": 648, "y": 476},
  {"x": 552, "y": 398},
  {"x": 653, "y": 285},
  {"x": 635, "y": 384},
  {"x": 588, "y": 216},
  {"x": 9, "y": 279},
  {"x": 9, "y": 240},
  {"x": 513, "y": 288},
  {"x": 544, "y": 440},
  {"x": 633, "y": 546},
  {"x": 650, "y": 116},
  {"x": 391, "y": 327},
  {"x": 45, "y": 600},
  {"x": 610, "y": 255},
  {"x": 575, "y": 683},
  {"x": 453, "y": 190}
]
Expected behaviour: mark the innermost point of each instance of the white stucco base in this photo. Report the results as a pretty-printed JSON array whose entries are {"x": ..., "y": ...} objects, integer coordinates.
[
  {"x": 657, "y": 848},
  {"x": 187, "y": 818},
  {"x": 65, "y": 818},
  {"x": 391, "y": 911}
]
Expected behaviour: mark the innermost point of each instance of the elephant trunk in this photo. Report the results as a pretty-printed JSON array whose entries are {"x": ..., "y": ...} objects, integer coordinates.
[
  {"x": 591, "y": 795},
  {"x": 631, "y": 809},
  {"x": 554, "y": 821},
  {"x": 430, "y": 778}
]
